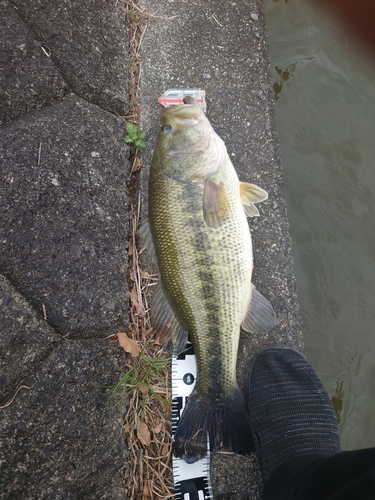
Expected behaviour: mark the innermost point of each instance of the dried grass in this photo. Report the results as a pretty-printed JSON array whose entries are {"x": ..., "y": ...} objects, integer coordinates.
[
  {"x": 138, "y": 21},
  {"x": 145, "y": 384}
]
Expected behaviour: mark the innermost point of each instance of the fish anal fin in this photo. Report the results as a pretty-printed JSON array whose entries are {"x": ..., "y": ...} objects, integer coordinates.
[
  {"x": 164, "y": 321},
  {"x": 260, "y": 315},
  {"x": 251, "y": 194},
  {"x": 216, "y": 206}
]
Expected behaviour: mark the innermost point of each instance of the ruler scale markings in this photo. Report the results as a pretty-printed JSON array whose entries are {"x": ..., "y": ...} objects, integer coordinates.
[{"x": 192, "y": 481}]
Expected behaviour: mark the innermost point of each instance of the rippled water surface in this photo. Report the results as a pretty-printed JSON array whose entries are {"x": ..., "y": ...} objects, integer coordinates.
[{"x": 325, "y": 90}]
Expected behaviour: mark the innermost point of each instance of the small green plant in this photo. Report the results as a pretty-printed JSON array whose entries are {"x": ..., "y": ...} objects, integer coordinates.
[
  {"x": 134, "y": 138},
  {"x": 144, "y": 381},
  {"x": 133, "y": 17}
]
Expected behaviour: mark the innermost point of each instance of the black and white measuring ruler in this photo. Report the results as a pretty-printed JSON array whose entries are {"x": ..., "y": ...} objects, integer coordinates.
[{"x": 191, "y": 481}]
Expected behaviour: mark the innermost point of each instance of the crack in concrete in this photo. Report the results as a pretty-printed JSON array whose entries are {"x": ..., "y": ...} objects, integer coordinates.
[{"x": 78, "y": 80}]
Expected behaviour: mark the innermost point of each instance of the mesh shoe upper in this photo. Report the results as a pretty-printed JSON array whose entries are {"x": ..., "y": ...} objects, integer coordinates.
[{"x": 291, "y": 414}]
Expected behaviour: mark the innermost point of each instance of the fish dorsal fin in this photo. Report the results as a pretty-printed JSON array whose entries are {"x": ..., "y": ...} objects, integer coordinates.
[
  {"x": 251, "y": 194},
  {"x": 260, "y": 315},
  {"x": 165, "y": 322},
  {"x": 146, "y": 239},
  {"x": 215, "y": 203}
]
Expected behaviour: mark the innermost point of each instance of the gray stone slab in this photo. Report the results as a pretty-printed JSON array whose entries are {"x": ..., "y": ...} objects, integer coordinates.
[
  {"x": 64, "y": 215},
  {"x": 220, "y": 47},
  {"x": 88, "y": 43},
  {"x": 235, "y": 477},
  {"x": 25, "y": 339},
  {"x": 61, "y": 439},
  {"x": 28, "y": 78}
]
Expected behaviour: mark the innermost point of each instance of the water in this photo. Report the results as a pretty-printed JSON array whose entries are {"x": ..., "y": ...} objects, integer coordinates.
[{"x": 325, "y": 91}]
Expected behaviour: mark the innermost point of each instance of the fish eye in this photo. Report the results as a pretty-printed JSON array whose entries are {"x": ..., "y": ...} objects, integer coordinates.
[{"x": 165, "y": 129}]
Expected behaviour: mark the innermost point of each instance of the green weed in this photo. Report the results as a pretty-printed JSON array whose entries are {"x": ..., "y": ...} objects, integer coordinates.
[
  {"x": 143, "y": 380},
  {"x": 134, "y": 138},
  {"x": 133, "y": 17}
]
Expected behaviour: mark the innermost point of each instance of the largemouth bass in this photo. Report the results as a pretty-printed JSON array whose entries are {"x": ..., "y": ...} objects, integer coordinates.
[{"x": 201, "y": 239}]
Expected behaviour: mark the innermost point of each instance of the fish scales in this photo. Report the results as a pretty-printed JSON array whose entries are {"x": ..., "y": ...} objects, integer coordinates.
[
  {"x": 202, "y": 243},
  {"x": 205, "y": 271}
]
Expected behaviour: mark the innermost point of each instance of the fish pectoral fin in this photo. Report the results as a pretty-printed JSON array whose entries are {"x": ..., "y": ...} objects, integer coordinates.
[
  {"x": 164, "y": 321},
  {"x": 251, "y": 194},
  {"x": 260, "y": 315},
  {"x": 216, "y": 206}
]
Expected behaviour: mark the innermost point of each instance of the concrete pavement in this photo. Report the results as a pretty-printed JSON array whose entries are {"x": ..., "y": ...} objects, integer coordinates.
[
  {"x": 63, "y": 238},
  {"x": 64, "y": 220}
]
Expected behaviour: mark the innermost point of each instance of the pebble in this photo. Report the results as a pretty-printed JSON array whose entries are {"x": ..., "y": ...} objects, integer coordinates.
[
  {"x": 255, "y": 17},
  {"x": 75, "y": 250}
]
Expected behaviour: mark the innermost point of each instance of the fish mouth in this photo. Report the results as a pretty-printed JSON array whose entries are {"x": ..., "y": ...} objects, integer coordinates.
[
  {"x": 183, "y": 115},
  {"x": 189, "y": 115}
]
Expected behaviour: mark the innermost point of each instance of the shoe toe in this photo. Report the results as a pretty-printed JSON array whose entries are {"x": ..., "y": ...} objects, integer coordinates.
[{"x": 291, "y": 414}]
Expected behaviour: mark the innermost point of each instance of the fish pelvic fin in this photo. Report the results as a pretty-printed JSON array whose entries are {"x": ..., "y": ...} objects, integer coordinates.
[
  {"x": 260, "y": 315},
  {"x": 251, "y": 194},
  {"x": 225, "y": 421},
  {"x": 216, "y": 206}
]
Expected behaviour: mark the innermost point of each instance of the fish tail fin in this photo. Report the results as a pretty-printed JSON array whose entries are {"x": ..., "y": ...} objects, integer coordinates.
[{"x": 225, "y": 421}]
